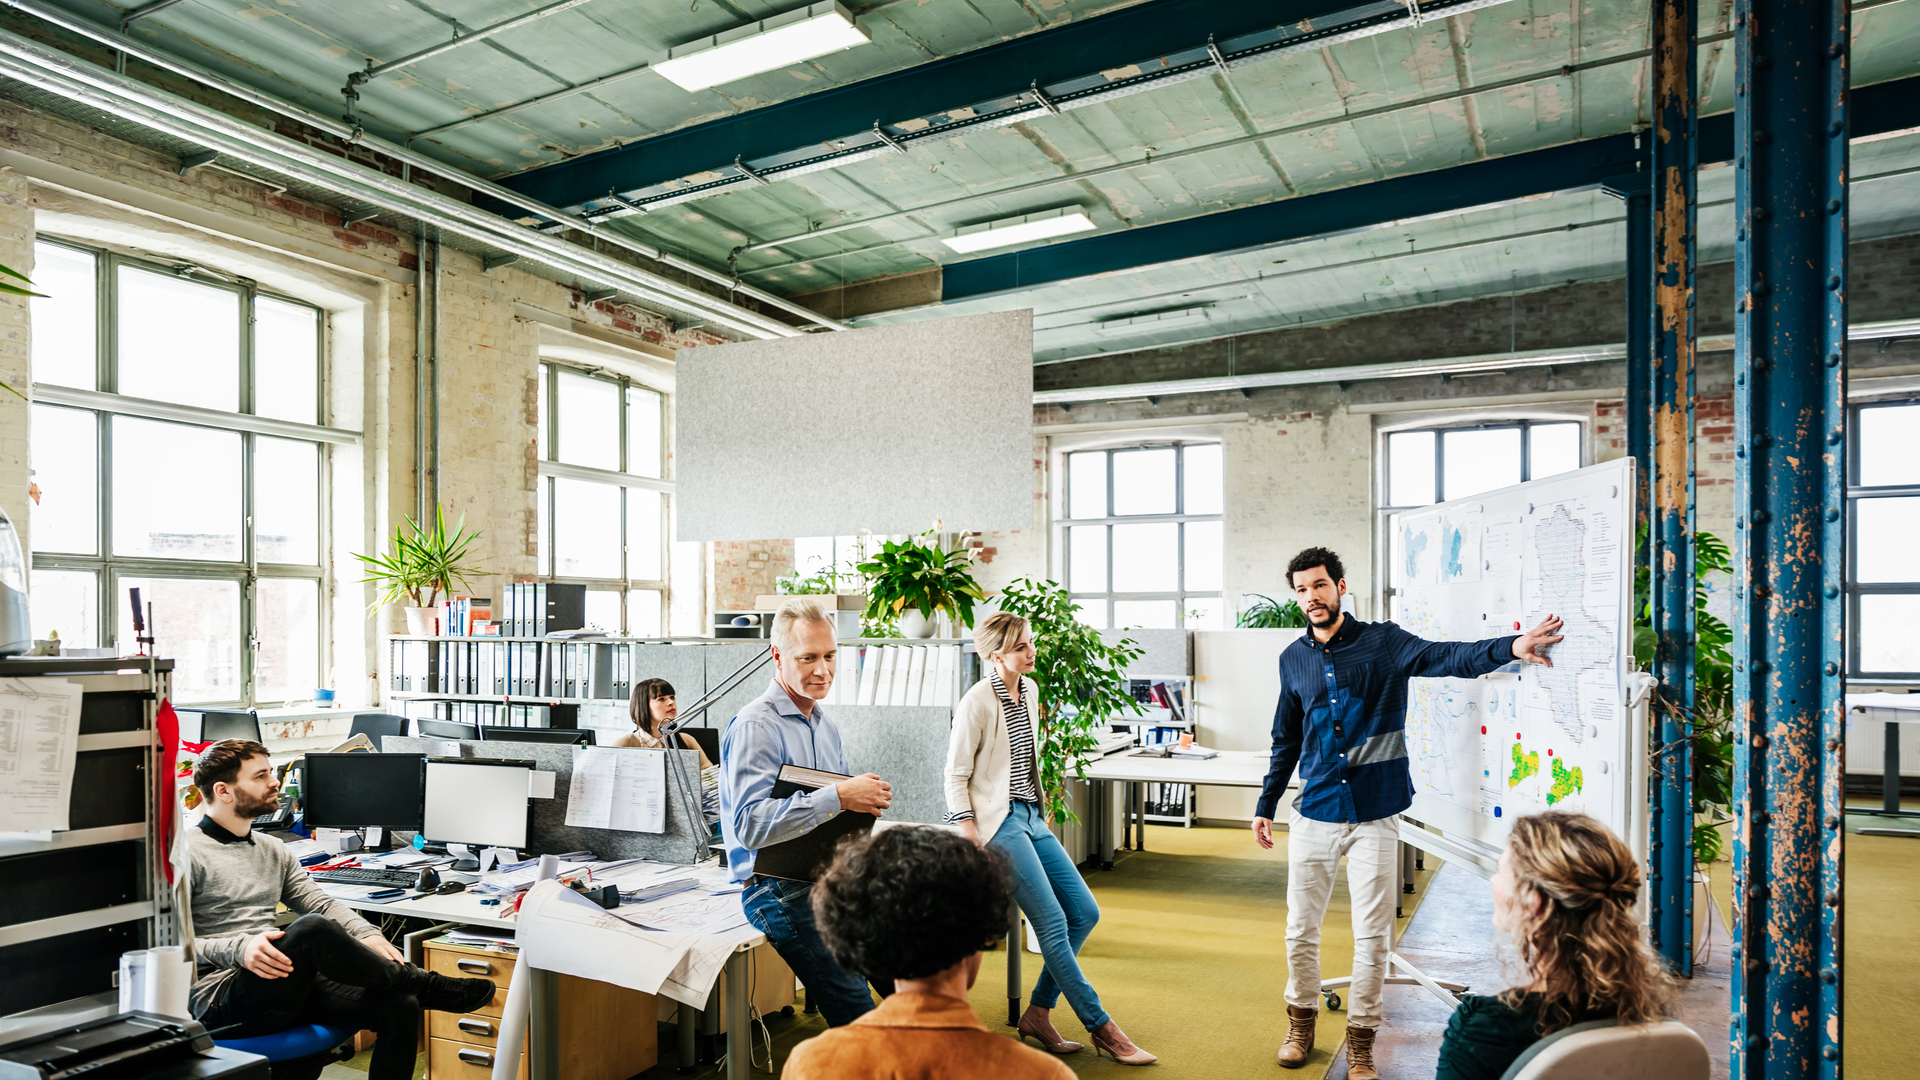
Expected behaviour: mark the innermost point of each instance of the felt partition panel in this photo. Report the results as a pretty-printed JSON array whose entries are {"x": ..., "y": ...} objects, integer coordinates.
[
  {"x": 685, "y": 666},
  {"x": 904, "y": 745},
  {"x": 1166, "y": 655},
  {"x": 886, "y": 428},
  {"x": 722, "y": 661}
]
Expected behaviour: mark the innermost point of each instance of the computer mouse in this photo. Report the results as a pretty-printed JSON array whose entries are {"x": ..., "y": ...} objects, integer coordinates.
[
  {"x": 428, "y": 881},
  {"x": 452, "y": 887}
]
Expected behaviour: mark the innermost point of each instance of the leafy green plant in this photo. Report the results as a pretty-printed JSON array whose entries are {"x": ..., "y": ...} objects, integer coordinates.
[
  {"x": 1082, "y": 683},
  {"x": 1270, "y": 613},
  {"x": 1710, "y": 728},
  {"x": 820, "y": 584},
  {"x": 424, "y": 564},
  {"x": 8, "y": 288},
  {"x": 912, "y": 574}
]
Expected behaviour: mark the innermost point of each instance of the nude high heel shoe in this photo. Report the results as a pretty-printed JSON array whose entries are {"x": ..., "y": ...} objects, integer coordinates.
[
  {"x": 1052, "y": 1045},
  {"x": 1105, "y": 1041}
]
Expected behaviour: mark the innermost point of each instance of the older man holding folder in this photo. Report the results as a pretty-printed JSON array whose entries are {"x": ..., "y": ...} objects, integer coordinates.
[{"x": 785, "y": 727}]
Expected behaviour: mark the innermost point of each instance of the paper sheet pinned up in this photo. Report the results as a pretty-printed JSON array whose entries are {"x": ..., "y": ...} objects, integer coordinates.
[
  {"x": 618, "y": 789},
  {"x": 39, "y": 738}
]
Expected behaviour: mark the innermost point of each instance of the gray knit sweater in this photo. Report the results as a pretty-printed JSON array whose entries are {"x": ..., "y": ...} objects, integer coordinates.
[{"x": 238, "y": 882}]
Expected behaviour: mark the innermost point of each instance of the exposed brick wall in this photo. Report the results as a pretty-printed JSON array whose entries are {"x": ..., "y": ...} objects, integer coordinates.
[
  {"x": 16, "y": 350},
  {"x": 745, "y": 569}
]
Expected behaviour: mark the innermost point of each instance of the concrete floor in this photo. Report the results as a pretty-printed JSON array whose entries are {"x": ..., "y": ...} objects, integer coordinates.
[{"x": 1451, "y": 937}]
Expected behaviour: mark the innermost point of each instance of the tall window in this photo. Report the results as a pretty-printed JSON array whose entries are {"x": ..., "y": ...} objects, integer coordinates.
[
  {"x": 1883, "y": 584},
  {"x": 1142, "y": 536},
  {"x": 1437, "y": 464},
  {"x": 602, "y": 496},
  {"x": 177, "y": 449},
  {"x": 831, "y": 559}
]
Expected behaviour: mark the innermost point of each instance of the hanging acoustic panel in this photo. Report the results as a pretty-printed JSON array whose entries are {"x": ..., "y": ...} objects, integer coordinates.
[{"x": 884, "y": 429}]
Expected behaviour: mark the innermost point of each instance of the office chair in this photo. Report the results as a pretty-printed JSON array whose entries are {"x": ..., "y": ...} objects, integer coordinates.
[
  {"x": 295, "y": 1043},
  {"x": 374, "y": 725},
  {"x": 1605, "y": 1050}
]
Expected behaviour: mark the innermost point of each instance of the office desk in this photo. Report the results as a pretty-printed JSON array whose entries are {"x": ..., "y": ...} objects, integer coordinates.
[
  {"x": 1892, "y": 710},
  {"x": 1231, "y": 768}
]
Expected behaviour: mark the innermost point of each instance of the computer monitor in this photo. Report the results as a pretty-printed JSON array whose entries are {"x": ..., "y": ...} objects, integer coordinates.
[
  {"x": 360, "y": 790},
  {"x": 218, "y": 724},
  {"x": 445, "y": 729},
  {"x": 477, "y": 802},
  {"x": 560, "y": 736},
  {"x": 708, "y": 740}
]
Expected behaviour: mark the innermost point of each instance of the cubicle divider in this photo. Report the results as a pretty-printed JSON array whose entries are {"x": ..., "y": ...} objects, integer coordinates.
[
  {"x": 905, "y": 745},
  {"x": 685, "y": 838}
]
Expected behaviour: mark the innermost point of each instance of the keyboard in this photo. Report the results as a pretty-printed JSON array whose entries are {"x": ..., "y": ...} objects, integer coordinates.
[{"x": 367, "y": 875}]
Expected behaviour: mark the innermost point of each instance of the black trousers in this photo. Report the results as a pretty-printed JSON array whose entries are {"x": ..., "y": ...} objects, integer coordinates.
[{"x": 335, "y": 980}]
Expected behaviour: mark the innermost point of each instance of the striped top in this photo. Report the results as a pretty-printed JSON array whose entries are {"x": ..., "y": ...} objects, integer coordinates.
[{"x": 1022, "y": 776}]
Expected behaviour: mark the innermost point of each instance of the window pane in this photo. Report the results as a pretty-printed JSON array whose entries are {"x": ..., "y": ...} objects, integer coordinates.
[
  {"x": 545, "y": 451},
  {"x": 1555, "y": 449},
  {"x": 1144, "y": 614},
  {"x": 66, "y": 465},
  {"x": 1091, "y": 612},
  {"x": 1143, "y": 482},
  {"x": 286, "y": 501},
  {"x": 1145, "y": 557},
  {"x": 1478, "y": 461},
  {"x": 1410, "y": 468},
  {"x": 1890, "y": 633},
  {"x": 1203, "y": 556},
  {"x": 589, "y": 416},
  {"x": 603, "y": 611},
  {"x": 198, "y": 624},
  {"x": 643, "y": 536},
  {"x": 847, "y": 555},
  {"x": 286, "y": 360},
  {"x": 179, "y": 340},
  {"x": 1202, "y": 485},
  {"x": 643, "y": 613},
  {"x": 1087, "y": 484},
  {"x": 289, "y": 630},
  {"x": 1203, "y": 613},
  {"x": 586, "y": 529},
  {"x": 1087, "y": 558},
  {"x": 1886, "y": 527},
  {"x": 812, "y": 554},
  {"x": 66, "y": 319},
  {"x": 67, "y": 601},
  {"x": 643, "y": 431},
  {"x": 176, "y": 491},
  {"x": 1889, "y": 445}
]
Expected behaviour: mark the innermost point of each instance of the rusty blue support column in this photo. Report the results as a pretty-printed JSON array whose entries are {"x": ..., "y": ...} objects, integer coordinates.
[
  {"x": 1672, "y": 160},
  {"x": 1790, "y": 272}
]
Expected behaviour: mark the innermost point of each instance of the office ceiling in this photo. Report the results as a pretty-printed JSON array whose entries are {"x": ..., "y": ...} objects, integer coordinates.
[{"x": 1382, "y": 105}]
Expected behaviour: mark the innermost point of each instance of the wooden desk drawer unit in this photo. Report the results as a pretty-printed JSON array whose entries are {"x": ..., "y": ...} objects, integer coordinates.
[{"x": 606, "y": 1032}]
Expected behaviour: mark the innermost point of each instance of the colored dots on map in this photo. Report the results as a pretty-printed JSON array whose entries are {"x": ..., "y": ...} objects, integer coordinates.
[
  {"x": 1565, "y": 782},
  {"x": 1525, "y": 763}
]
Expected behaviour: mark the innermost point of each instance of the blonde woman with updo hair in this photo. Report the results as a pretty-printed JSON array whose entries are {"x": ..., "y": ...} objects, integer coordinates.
[
  {"x": 1566, "y": 893},
  {"x": 994, "y": 795}
]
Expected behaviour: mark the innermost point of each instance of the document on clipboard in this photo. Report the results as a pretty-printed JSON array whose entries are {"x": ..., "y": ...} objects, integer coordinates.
[{"x": 803, "y": 857}]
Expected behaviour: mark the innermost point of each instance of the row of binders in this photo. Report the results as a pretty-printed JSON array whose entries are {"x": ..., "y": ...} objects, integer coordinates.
[
  {"x": 533, "y": 609},
  {"x": 482, "y": 668},
  {"x": 483, "y": 713},
  {"x": 897, "y": 675}
]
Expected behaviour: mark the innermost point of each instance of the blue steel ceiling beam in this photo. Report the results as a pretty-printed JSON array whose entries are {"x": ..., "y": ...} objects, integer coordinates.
[
  {"x": 1876, "y": 110},
  {"x": 1067, "y": 67},
  {"x": 1790, "y": 555}
]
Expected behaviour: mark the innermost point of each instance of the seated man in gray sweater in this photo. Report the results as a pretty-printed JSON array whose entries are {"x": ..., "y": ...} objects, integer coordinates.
[{"x": 328, "y": 966}]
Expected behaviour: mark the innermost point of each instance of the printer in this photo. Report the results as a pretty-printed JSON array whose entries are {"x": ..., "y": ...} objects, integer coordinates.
[{"x": 130, "y": 1044}]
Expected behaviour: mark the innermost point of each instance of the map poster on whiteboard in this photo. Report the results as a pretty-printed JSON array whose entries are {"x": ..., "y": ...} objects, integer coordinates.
[{"x": 1525, "y": 738}]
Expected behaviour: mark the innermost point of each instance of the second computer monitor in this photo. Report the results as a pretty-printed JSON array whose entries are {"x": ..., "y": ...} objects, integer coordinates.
[
  {"x": 477, "y": 802},
  {"x": 445, "y": 729},
  {"x": 218, "y": 724},
  {"x": 561, "y": 736},
  {"x": 361, "y": 790}
]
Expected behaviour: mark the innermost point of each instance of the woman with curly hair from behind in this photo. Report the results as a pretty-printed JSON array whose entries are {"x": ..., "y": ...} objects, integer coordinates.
[{"x": 1566, "y": 893}]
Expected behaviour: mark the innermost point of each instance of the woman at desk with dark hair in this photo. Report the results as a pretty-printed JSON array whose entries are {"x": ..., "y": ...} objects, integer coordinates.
[{"x": 653, "y": 708}]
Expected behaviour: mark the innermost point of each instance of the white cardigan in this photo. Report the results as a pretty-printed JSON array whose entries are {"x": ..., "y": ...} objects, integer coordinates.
[{"x": 980, "y": 755}]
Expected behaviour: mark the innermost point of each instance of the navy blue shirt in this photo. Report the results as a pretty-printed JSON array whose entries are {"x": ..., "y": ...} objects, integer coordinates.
[{"x": 1342, "y": 716}]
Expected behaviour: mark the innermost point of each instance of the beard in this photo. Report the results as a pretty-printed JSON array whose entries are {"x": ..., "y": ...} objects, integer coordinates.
[
  {"x": 1323, "y": 617},
  {"x": 255, "y": 807}
]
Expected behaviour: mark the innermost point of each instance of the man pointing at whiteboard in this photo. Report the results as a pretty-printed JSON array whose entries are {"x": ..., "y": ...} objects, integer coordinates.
[{"x": 1342, "y": 720}]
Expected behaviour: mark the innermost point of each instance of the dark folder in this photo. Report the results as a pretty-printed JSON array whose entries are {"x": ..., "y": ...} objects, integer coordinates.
[{"x": 805, "y": 856}]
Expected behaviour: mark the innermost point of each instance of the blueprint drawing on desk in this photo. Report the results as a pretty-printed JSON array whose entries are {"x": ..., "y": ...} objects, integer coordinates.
[{"x": 1522, "y": 739}]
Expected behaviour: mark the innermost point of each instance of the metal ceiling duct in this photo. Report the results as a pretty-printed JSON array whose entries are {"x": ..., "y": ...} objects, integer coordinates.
[{"x": 664, "y": 289}]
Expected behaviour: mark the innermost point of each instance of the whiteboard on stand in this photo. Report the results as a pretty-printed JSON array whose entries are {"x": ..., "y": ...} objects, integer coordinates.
[{"x": 1525, "y": 738}]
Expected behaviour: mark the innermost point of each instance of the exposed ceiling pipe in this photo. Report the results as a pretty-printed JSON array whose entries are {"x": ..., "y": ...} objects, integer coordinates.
[
  {"x": 373, "y": 72},
  {"x": 145, "y": 10},
  {"x": 133, "y": 47},
  {"x": 114, "y": 94}
]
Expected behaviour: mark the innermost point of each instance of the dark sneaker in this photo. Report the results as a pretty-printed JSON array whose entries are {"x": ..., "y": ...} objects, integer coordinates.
[{"x": 447, "y": 994}]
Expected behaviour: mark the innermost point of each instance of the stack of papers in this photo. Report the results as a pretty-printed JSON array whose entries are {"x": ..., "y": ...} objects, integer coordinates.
[
  {"x": 656, "y": 889},
  {"x": 483, "y": 939}
]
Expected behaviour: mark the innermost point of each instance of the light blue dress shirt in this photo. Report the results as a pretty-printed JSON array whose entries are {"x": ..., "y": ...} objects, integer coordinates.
[{"x": 771, "y": 732}]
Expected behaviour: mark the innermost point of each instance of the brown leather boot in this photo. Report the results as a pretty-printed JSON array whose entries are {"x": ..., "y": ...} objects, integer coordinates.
[
  {"x": 1360, "y": 1054},
  {"x": 1293, "y": 1052}
]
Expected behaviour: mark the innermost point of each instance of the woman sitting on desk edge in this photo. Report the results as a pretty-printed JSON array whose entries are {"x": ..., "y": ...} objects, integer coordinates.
[{"x": 653, "y": 707}]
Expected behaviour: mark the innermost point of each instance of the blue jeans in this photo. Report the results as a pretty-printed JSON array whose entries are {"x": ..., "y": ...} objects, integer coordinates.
[
  {"x": 783, "y": 910},
  {"x": 1058, "y": 903}
]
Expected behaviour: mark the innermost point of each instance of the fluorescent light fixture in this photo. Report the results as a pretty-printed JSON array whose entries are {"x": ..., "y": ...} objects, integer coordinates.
[
  {"x": 786, "y": 38},
  {"x": 1040, "y": 225},
  {"x": 1154, "y": 320}
]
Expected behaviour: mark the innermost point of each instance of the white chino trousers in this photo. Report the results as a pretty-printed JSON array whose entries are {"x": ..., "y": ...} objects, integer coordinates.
[{"x": 1314, "y": 850}]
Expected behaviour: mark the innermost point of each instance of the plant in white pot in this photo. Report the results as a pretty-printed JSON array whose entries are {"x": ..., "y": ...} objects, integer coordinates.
[
  {"x": 422, "y": 568},
  {"x": 911, "y": 582}
]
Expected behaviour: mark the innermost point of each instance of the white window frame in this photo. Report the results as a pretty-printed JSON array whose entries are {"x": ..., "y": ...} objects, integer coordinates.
[{"x": 1063, "y": 503}]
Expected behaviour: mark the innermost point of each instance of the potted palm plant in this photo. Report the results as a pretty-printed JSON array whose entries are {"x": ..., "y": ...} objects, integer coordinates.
[
  {"x": 912, "y": 581},
  {"x": 8, "y": 288},
  {"x": 422, "y": 568}
]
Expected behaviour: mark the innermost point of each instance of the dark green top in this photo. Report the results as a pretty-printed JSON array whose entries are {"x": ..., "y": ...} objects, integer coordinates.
[{"x": 1485, "y": 1036}]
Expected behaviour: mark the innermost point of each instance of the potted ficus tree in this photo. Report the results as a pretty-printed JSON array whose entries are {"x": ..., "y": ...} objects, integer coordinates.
[
  {"x": 422, "y": 568},
  {"x": 911, "y": 581}
]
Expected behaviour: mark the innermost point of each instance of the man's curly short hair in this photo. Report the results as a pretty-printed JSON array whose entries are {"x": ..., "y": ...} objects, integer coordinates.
[
  {"x": 910, "y": 902},
  {"x": 1316, "y": 556}
]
